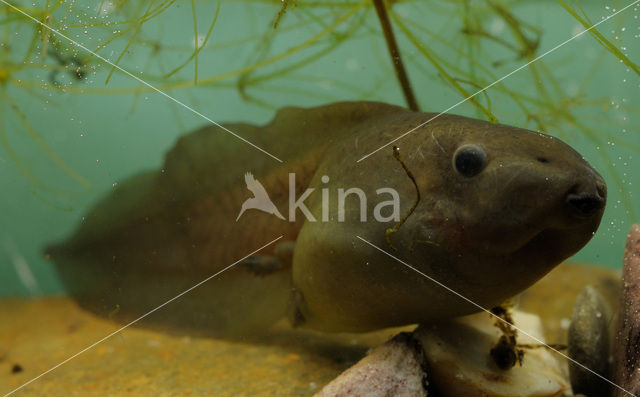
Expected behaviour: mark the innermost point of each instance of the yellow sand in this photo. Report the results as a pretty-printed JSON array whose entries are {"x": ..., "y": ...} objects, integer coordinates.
[{"x": 39, "y": 334}]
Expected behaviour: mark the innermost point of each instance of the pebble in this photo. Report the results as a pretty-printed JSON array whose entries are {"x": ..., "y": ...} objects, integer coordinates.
[
  {"x": 589, "y": 343},
  {"x": 459, "y": 364},
  {"x": 395, "y": 368}
]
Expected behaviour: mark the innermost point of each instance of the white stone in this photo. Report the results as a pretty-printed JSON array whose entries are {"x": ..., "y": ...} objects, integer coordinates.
[{"x": 459, "y": 363}]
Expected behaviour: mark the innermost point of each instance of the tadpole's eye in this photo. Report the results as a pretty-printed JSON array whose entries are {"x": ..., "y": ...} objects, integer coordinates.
[{"x": 469, "y": 160}]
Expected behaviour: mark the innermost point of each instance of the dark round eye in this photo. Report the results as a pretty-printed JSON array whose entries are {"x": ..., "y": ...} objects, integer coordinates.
[{"x": 469, "y": 160}]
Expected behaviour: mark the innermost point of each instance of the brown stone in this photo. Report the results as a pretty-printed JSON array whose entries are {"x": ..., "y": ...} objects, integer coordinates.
[{"x": 627, "y": 347}]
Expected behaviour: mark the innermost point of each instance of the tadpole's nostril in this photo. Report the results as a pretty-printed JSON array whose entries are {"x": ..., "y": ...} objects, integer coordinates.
[{"x": 585, "y": 204}]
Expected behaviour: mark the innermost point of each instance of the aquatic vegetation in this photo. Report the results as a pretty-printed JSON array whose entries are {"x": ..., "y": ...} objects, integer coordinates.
[
  {"x": 16, "y": 62},
  {"x": 576, "y": 11}
]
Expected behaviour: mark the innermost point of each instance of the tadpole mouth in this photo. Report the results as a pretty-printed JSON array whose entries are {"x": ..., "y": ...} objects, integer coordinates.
[
  {"x": 585, "y": 205},
  {"x": 568, "y": 234}
]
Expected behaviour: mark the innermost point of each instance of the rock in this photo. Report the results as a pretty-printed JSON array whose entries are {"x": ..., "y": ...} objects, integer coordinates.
[
  {"x": 394, "y": 369},
  {"x": 589, "y": 343},
  {"x": 459, "y": 364},
  {"x": 627, "y": 347},
  {"x": 554, "y": 296}
]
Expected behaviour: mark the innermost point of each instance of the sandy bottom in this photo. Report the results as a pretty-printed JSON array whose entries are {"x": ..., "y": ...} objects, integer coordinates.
[{"x": 36, "y": 335}]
